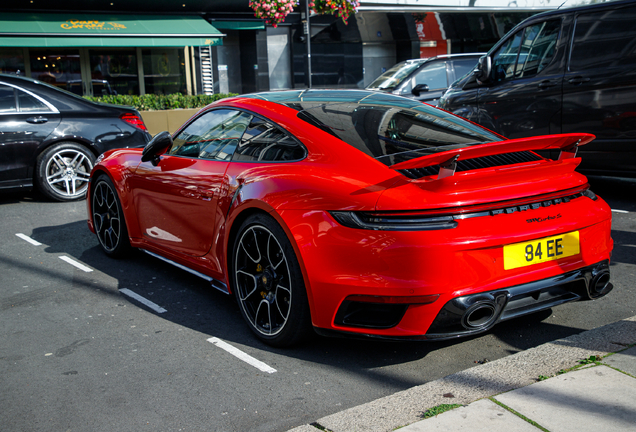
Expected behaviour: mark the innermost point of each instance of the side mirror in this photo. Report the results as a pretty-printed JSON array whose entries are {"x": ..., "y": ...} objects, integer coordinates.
[
  {"x": 157, "y": 145},
  {"x": 420, "y": 88},
  {"x": 483, "y": 69}
]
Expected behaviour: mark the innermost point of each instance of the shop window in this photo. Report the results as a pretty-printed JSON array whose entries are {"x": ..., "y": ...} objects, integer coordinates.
[
  {"x": 164, "y": 70},
  {"x": 12, "y": 61},
  {"x": 114, "y": 72},
  {"x": 58, "y": 67}
]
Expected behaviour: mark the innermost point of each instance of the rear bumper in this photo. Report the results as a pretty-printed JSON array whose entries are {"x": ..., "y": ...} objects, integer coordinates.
[
  {"x": 478, "y": 313},
  {"x": 399, "y": 285}
]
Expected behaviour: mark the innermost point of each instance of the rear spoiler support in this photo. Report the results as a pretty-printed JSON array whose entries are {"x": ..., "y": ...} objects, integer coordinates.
[
  {"x": 570, "y": 151},
  {"x": 447, "y": 169}
]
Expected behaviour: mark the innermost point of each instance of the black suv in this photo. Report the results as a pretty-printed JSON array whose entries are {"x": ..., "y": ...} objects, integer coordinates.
[
  {"x": 568, "y": 70},
  {"x": 425, "y": 79}
]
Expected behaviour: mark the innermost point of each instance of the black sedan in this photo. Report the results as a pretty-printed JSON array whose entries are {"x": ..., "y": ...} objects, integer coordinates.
[{"x": 51, "y": 138}]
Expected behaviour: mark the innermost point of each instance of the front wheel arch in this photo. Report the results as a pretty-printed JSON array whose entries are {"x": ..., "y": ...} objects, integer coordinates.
[{"x": 107, "y": 217}]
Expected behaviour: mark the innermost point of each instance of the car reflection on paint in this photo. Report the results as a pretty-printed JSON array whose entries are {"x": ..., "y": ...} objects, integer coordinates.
[{"x": 359, "y": 213}]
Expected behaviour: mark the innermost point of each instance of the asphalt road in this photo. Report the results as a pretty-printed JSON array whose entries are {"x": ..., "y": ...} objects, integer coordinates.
[{"x": 78, "y": 355}]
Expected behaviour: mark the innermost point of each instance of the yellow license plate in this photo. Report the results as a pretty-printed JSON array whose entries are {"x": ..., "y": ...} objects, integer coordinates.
[{"x": 541, "y": 250}]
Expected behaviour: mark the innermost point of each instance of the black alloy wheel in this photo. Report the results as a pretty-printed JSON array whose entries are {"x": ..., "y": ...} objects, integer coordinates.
[
  {"x": 108, "y": 218},
  {"x": 63, "y": 171},
  {"x": 268, "y": 283}
]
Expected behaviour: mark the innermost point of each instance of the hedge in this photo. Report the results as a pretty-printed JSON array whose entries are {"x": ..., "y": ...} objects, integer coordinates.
[{"x": 149, "y": 102}]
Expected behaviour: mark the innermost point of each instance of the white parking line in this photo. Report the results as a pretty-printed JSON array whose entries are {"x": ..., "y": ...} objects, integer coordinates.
[
  {"x": 142, "y": 300},
  {"x": 619, "y": 211},
  {"x": 29, "y": 239},
  {"x": 241, "y": 355},
  {"x": 76, "y": 264}
]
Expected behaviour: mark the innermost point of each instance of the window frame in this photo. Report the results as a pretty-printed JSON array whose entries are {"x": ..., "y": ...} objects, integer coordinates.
[
  {"x": 16, "y": 89},
  {"x": 285, "y": 132},
  {"x": 515, "y": 74},
  {"x": 523, "y": 38},
  {"x": 575, "y": 23},
  {"x": 253, "y": 114}
]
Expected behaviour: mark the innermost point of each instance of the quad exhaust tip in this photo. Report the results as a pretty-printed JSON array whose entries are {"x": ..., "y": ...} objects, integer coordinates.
[
  {"x": 599, "y": 284},
  {"x": 480, "y": 315}
]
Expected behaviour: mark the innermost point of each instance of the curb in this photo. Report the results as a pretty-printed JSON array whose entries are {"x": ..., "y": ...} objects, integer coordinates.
[{"x": 508, "y": 373}]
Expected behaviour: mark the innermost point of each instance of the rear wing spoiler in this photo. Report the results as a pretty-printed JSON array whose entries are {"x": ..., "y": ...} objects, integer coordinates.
[{"x": 447, "y": 161}]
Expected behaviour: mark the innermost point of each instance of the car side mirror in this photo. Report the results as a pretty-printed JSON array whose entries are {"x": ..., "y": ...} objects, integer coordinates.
[
  {"x": 483, "y": 69},
  {"x": 156, "y": 146},
  {"x": 420, "y": 88}
]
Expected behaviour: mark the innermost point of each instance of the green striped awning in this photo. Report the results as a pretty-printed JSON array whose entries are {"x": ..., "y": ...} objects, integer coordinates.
[{"x": 95, "y": 30}]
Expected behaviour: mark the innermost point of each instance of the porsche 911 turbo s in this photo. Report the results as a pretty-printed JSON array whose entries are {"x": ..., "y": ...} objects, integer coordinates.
[{"x": 359, "y": 213}]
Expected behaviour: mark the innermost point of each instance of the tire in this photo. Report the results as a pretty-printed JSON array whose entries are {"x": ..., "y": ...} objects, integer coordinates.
[
  {"x": 108, "y": 218},
  {"x": 268, "y": 283},
  {"x": 63, "y": 171}
]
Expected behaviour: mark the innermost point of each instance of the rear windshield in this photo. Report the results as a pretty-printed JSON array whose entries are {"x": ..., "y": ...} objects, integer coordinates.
[
  {"x": 394, "y": 76},
  {"x": 392, "y": 133}
]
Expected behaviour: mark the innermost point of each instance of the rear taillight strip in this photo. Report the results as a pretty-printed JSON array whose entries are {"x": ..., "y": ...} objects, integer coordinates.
[{"x": 409, "y": 221}]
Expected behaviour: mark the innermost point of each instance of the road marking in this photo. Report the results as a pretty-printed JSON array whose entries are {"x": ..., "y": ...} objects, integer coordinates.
[
  {"x": 155, "y": 307},
  {"x": 29, "y": 239},
  {"x": 619, "y": 211},
  {"x": 241, "y": 355},
  {"x": 76, "y": 264}
]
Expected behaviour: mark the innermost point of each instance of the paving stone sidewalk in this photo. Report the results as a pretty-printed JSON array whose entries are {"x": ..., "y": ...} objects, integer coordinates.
[{"x": 504, "y": 395}]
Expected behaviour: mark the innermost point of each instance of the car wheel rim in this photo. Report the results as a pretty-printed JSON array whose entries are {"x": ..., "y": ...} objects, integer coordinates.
[
  {"x": 106, "y": 218},
  {"x": 68, "y": 173},
  {"x": 263, "y": 280}
]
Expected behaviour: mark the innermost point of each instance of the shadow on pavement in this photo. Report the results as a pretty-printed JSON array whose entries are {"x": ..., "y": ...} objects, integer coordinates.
[{"x": 192, "y": 303}]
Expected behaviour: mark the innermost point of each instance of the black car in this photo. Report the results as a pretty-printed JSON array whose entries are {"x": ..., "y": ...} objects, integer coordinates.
[
  {"x": 563, "y": 71},
  {"x": 425, "y": 79},
  {"x": 50, "y": 138}
]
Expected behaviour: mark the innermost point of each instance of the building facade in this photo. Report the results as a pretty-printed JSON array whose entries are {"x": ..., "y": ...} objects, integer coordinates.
[{"x": 218, "y": 46}]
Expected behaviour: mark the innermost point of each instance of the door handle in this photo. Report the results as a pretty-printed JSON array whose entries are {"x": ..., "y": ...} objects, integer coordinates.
[
  {"x": 578, "y": 80},
  {"x": 205, "y": 194},
  {"x": 37, "y": 120},
  {"x": 546, "y": 84}
]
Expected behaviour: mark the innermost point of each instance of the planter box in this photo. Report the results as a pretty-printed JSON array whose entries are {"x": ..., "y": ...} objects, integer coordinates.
[{"x": 166, "y": 120}]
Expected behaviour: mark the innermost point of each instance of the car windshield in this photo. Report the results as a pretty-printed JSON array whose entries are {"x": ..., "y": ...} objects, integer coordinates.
[
  {"x": 394, "y": 76},
  {"x": 394, "y": 130}
]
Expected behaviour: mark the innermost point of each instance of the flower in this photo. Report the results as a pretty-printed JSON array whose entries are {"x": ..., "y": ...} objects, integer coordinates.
[
  {"x": 341, "y": 8},
  {"x": 273, "y": 11}
]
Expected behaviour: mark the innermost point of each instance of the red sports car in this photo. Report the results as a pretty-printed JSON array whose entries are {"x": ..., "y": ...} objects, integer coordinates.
[{"x": 359, "y": 213}]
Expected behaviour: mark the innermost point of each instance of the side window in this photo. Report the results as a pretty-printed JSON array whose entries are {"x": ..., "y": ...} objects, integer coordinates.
[
  {"x": 462, "y": 67},
  {"x": 28, "y": 103},
  {"x": 504, "y": 60},
  {"x": 265, "y": 142},
  {"x": 604, "y": 39},
  {"x": 537, "y": 48},
  {"x": 214, "y": 135},
  {"x": 7, "y": 100},
  {"x": 433, "y": 75}
]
